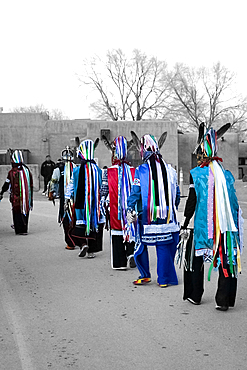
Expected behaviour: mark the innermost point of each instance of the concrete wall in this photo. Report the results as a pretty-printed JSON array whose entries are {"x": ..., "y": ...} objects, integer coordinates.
[{"x": 228, "y": 150}]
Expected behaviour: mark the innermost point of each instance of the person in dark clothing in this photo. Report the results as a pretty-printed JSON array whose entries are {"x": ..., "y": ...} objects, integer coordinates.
[
  {"x": 47, "y": 168},
  {"x": 20, "y": 184},
  {"x": 217, "y": 236},
  {"x": 84, "y": 189},
  {"x": 60, "y": 178}
]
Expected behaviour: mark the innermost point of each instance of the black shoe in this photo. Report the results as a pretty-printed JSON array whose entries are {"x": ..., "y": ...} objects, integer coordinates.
[
  {"x": 83, "y": 251},
  {"x": 221, "y": 308},
  {"x": 132, "y": 262}
]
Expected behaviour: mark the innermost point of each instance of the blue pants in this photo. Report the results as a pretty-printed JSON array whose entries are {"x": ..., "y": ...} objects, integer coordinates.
[{"x": 165, "y": 260}]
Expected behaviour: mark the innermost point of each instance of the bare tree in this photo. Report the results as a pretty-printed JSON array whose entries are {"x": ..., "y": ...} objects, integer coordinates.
[
  {"x": 128, "y": 88},
  {"x": 206, "y": 95},
  {"x": 53, "y": 114}
]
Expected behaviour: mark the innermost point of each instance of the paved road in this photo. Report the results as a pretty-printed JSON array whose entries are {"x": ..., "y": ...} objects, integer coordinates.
[{"x": 59, "y": 311}]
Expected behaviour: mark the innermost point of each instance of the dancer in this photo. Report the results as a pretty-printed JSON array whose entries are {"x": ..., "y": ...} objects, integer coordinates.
[
  {"x": 20, "y": 184},
  {"x": 57, "y": 187},
  {"x": 218, "y": 224},
  {"x": 117, "y": 181},
  {"x": 156, "y": 194},
  {"x": 84, "y": 188}
]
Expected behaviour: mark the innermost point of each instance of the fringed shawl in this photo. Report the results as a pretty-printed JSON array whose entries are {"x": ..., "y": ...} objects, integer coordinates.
[
  {"x": 125, "y": 180},
  {"x": 21, "y": 179},
  {"x": 87, "y": 195}
]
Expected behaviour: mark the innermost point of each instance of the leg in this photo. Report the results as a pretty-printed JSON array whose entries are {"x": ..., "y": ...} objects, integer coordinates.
[
  {"x": 227, "y": 289},
  {"x": 118, "y": 253},
  {"x": 130, "y": 253},
  {"x": 20, "y": 222},
  {"x": 96, "y": 245},
  {"x": 194, "y": 280},
  {"x": 142, "y": 261},
  {"x": 68, "y": 240},
  {"x": 165, "y": 261}
]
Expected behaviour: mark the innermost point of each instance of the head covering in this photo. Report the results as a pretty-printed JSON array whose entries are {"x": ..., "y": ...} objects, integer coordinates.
[
  {"x": 17, "y": 156},
  {"x": 86, "y": 150},
  {"x": 120, "y": 145},
  {"x": 208, "y": 147},
  {"x": 67, "y": 154},
  {"x": 149, "y": 143}
]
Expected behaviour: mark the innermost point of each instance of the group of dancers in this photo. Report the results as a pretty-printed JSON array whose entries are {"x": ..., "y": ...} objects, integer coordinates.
[{"x": 139, "y": 206}]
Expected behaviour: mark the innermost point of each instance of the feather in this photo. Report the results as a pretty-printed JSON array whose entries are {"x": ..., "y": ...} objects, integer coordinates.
[
  {"x": 223, "y": 130},
  {"x": 162, "y": 139},
  {"x": 96, "y": 143},
  {"x": 200, "y": 133},
  {"x": 77, "y": 141},
  {"x": 106, "y": 142},
  {"x": 130, "y": 144},
  {"x": 136, "y": 140}
]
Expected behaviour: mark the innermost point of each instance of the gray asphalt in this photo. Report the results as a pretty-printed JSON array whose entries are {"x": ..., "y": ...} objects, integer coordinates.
[{"x": 59, "y": 311}]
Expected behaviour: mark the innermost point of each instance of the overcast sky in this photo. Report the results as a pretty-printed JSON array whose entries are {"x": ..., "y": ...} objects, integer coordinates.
[{"x": 43, "y": 43}]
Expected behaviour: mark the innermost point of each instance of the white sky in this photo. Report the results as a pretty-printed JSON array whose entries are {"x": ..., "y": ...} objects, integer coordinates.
[{"x": 43, "y": 43}]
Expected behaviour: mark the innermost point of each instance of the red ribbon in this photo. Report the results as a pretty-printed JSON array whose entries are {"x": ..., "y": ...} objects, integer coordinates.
[
  {"x": 210, "y": 159},
  {"x": 119, "y": 162}
]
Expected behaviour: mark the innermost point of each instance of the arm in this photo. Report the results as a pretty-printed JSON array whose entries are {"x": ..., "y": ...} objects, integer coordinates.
[
  {"x": 104, "y": 190},
  {"x": 177, "y": 200},
  {"x": 135, "y": 194},
  {"x": 190, "y": 204},
  {"x": 70, "y": 188},
  {"x": 5, "y": 187}
]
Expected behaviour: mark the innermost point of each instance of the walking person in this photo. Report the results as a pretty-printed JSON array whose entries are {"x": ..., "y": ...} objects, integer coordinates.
[
  {"x": 117, "y": 182},
  {"x": 47, "y": 168},
  {"x": 19, "y": 182},
  {"x": 218, "y": 224},
  {"x": 58, "y": 184},
  {"x": 155, "y": 196},
  {"x": 84, "y": 189}
]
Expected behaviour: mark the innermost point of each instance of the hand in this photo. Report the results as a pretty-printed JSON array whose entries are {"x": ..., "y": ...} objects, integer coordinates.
[
  {"x": 184, "y": 234},
  {"x": 102, "y": 206},
  {"x": 131, "y": 216},
  {"x": 66, "y": 205}
]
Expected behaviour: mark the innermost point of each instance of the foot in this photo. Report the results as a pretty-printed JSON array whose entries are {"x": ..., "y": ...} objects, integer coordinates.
[
  {"x": 132, "y": 263},
  {"x": 142, "y": 281},
  {"x": 221, "y": 308},
  {"x": 83, "y": 251},
  {"x": 163, "y": 285},
  {"x": 91, "y": 255},
  {"x": 69, "y": 248},
  {"x": 192, "y": 301}
]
